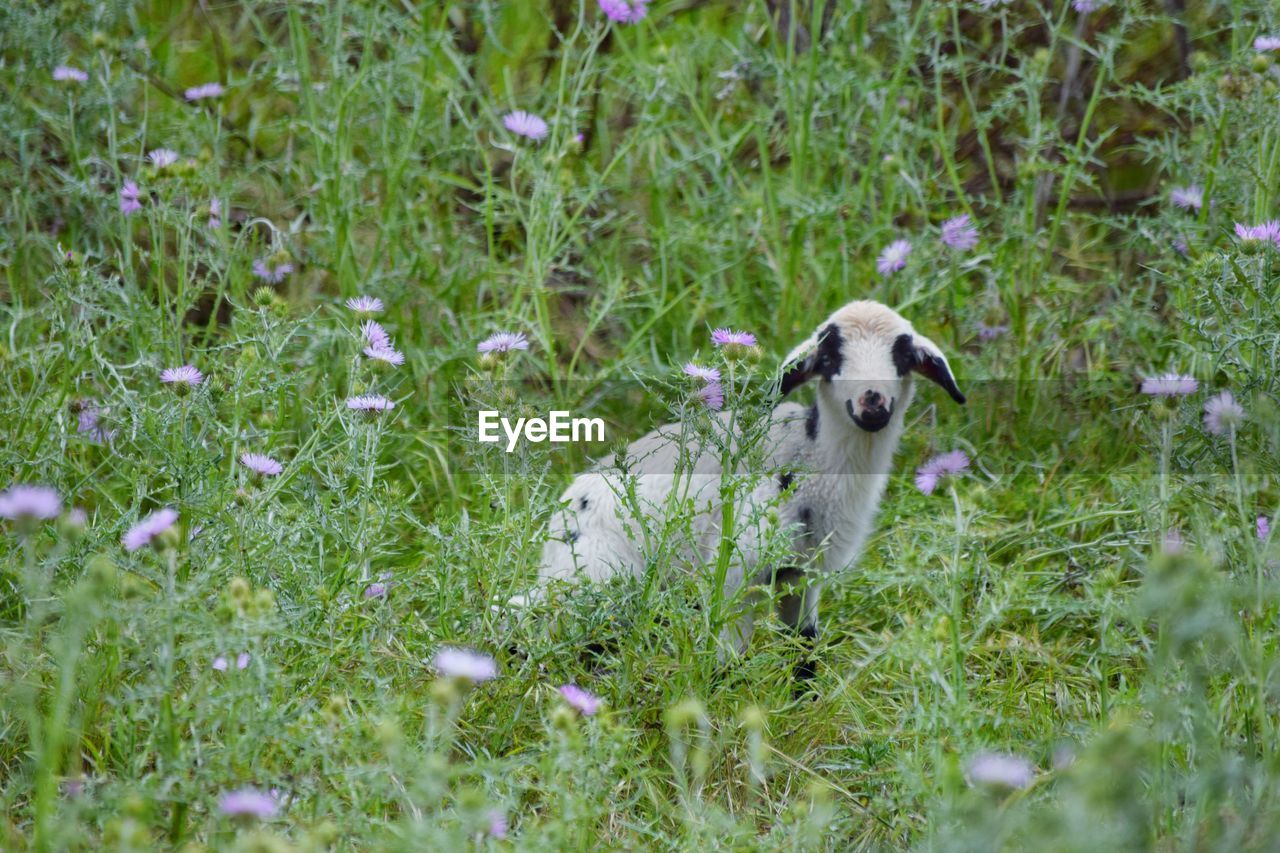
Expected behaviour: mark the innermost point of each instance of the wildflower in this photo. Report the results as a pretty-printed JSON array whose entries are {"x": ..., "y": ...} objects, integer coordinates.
[
  {"x": 186, "y": 375},
  {"x": 263, "y": 466},
  {"x": 624, "y": 12},
  {"x": 959, "y": 233},
  {"x": 1173, "y": 543},
  {"x": 1263, "y": 44},
  {"x": 365, "y": 304},
  {"x": 149, "y": 528},
  {"x": 375, "y": 335},
  {"x": 579, "y": 699},
  {"x": 526, "y": 124},
  {"x": 204, "y": 90},
  {"x": 370, "y": 404},
  {"x": 1084, "y": 7},
  {"x": 894, "y": 257},
  {"x": 129, "y": 203},
  {"x": 272, "y": 270},
  {"x": 497, "y": 824},
  {"x": 1267, "y": 232},
  {"x": 1188, "y": 197},
  {"x": 939, "y": 467},
  {"x": 376, "y": 590},
  {"x": 706, "y": 374},
  {"x": 1169, "y": 385},
  {"x": 242, "y": 662},
  {"x": 1001, "y": 770},
  {"x": 78, "y": 517},
  {"x": 390, "y": 356},
  {"x": 162, "y": 158},
  {"x": 89, "y": 423},
  {"x": 711, "y": 395},
  {"x": 69, "y": 74},
  {"x": 464, "y": 663},
  {"x": 248, "y": 802},
  {"x": 503, "y": 342},
  {"x": 728, "y": 337},
  {"x": 990, "y": 333},
  {"x": 1264, "y": 527},
  {"x": 29, "y": 502},
  {"x": 215, "y": 214},
  {"x": 1222, "y": 413}
]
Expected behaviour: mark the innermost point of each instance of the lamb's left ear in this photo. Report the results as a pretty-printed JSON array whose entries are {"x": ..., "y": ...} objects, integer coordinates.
[
  {"x": 797, "y": 368},
  {"x": 918, "y": 353}
]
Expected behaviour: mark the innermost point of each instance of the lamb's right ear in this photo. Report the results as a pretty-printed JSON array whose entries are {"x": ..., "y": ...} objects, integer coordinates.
[{"x": 797, "y": 368}]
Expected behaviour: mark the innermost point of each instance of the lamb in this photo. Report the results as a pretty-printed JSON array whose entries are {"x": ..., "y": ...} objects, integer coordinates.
[{"x": 830, "y": 464}]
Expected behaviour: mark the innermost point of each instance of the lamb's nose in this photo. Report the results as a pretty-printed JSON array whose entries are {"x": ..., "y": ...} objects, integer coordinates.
[{"x": 872, "y": 400}]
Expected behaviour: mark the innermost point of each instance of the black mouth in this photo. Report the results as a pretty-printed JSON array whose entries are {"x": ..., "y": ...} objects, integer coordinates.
[{"x": 872, "y": 420}]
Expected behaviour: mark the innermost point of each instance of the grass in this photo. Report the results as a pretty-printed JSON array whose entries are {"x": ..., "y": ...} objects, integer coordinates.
[{"x": 726, "y": 175}]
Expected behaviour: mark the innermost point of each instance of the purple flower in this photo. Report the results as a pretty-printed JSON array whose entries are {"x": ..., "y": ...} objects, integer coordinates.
[
  {"x": 1169, "y": 385},
  {"x": 78, "y": 517},
  {"x": 1084, "y": 7},
  {"x": 497, "y": 824},
  {"x": 624, "y": 12},
  {"x": 69, "y": 74},
  {"x": 88, "y": 423},
  {"x": 943, "y": 465},
  {"x": 1188, "y": 197},
  {"x": 365, "y": 304},
  {"x": 23, "y": 501},
  {"x": 464, "y": 663},
  {"x": 1267, "y": 232},
  {"x": 958, "y": 233},
  {"x": 503, "y": 342},
  {"x": 375, "y": 335},
  {"x": 894, "y": 257},
  {"x": 215, "y": 214},
  {"x": 242, "y": 660},
  {"x": 204, "y": 90},
  {"x": 370, "y": 404},
  {"x": 185, "y": 375},
  {"x": 263, "y": 466},
  {"x": 149, "y": 528},
  {"x": 1001, "y": 770},
  {"x": 1263, "y": 44},
  {"x": 990, "y": 333},
  {"x": 728, "y": 337},
  {"x": 390, "y": 356},
  {"x": 129, "y": 203},
  {"x": 1221, "y": 413},
  {"x": 580, "y": 700},
  {"x": 249, "y": 802},
  {"x": 711, "y": 395},
  {"x": 271, "y": 271},
  {"x": 525, "y": 124},
  {"x": 376, "y": 590},
  {"x": 162, "y": 158},
  {"x": 706, "y": 374},
  {"x": 220, "y": 663},
  {"x": 1264, "y": 527},
  {"x": 1173, "y": 544}
]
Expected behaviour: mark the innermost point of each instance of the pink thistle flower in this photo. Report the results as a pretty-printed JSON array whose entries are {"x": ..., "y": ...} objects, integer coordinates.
[
  {"x": 388, "y": 355},
  {"x": 249, "y": 802},
  {"x": 1169, "y": 385},
  {"x": 465, "y": 663},
  {"x": 580, "y": 700},
  {"x": 711, "y": 395},
  {"x": 377, "y": 589},
  {"x": 959, "y": 233},
  {"x": 365, "y": 304},
  {"x": 990, "y": 333},
  {"x": 1267, "y": 232},
  {"x": 149, "y": 528},
  {"x": 129, "y": 203},
  {"x": 371, "y": 404},
  {"x": 263, "y": 466},
  {"x": 162, "y": 158},
  {"x": 215, "y": 214},
  {"x": 706, "y": 374},
  {"x": 271, "y": 271},
  {"x": 503, "y": 342},
  {"x": 185, "y": 375},
  {"x": 525, "y": 124},
  {"x": 1188, "y": 197},
  {"x": 1084, "y": 7},
  {"x": 204, "y": 90},
  {"x": 375, "y": 335},
  {"x": 78, "y": 517},
  {"x": 931, "y": 473},
  {"x": 1263, "y": 44},
  {"x": 242, "y": 660},
  {"x": 1000, "y": 770},
  {"x": 728, "y": 337},
  {"x": 69, "y": 74},
  {"x": 1173, "y": 543},
  {"x": 497, "y": 824},
  {"x": 89, "y": 423},
  {"x": 1222, "y": 413},
  {"x": 894, "y": 257},
  {"x": 22, "y": 501},
  {"x": 221, "y": 665},
  {"x": 624, "y": 12},
  {"x": 1264, "y": 527}
]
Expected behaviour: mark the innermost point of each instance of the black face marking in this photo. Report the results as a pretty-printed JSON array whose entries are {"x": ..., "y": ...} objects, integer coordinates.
[
  {"x": 904, "y": 354},
  {"x": 811, "y": 422},
  {"x": 829, "y": 357},
  {"x": 582, "y": 504},
  {"x": 785, "y": 479}
]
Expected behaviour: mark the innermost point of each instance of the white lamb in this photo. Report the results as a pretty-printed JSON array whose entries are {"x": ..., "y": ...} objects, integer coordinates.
[{"x": 830, "y": 464}]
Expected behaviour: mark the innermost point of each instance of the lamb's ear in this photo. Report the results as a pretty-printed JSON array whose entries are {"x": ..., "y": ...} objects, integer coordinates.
[
  {"x": 797, "y": 369},
  {"x": 921, "y": 355}
]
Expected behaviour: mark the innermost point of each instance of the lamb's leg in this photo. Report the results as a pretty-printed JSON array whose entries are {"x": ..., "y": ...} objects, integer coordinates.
[{"x": 798, "y": 609}]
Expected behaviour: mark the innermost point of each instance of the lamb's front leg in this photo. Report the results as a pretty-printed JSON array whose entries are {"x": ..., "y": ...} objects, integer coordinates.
[{"x": 798, "y": 610}]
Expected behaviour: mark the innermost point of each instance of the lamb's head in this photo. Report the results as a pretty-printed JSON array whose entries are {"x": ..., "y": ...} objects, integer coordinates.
[{"x": 865, "y": 356}]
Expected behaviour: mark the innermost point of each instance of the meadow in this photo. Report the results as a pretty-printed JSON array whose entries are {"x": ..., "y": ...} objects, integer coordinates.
[{"x": 253, "y": 558}]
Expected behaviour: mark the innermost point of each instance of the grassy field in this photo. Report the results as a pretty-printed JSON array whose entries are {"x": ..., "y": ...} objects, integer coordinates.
[{"x": 1072, "y": 646}]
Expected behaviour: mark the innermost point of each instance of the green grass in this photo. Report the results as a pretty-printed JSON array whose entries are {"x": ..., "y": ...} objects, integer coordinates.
[{"x": 1035, "y": 614}]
